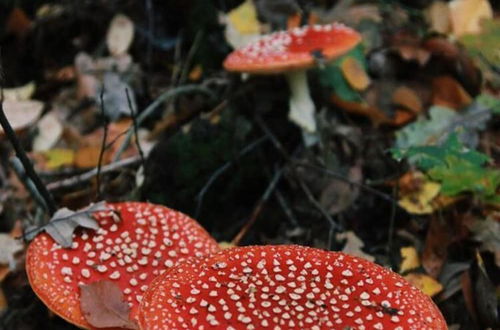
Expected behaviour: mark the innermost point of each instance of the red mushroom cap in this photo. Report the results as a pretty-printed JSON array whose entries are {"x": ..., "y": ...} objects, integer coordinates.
[
  {"x": 148, "y": 240},
  {"x": 285, "y": 287},
  {"x": 287, "y": 50}
]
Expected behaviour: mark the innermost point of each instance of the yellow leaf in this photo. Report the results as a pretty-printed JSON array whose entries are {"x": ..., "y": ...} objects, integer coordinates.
[
  {"x": 438, "y": 15},
  {"x": 466, "y": 15},
  {"x": 355, "y": 74},
  {"x": 242, "y": 25},
  {"x": 21, "y": 93},
  {"x": 425, "y": 283},
  {"x": 420, "y": 201},
  {"x": 59, "y": 157},
  {"x": 244, "y": 18},
  {"x": 410, "y": 259},
  {"x": 226, "y": 245}
]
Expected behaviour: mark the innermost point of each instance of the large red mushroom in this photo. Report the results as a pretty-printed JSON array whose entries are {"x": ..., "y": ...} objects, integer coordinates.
[
  {"x": 135, "y": 243},
  {"x": 285, "y": 287},
  {"x": 292, "y": 53}
]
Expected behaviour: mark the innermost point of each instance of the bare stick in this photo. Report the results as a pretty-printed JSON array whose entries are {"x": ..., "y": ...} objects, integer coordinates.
[
  {"x": 258, "y": 208},
  {"x": 170, "y": 94},
  {"x": 190, "y": 55},
  {"x": 21, "y": 154},
  {"x": 221, "y": 170},
  {"x": 70, "y": 182},
  {"x": 103, "y": 147},
  {"x": 302, "y": 184}
]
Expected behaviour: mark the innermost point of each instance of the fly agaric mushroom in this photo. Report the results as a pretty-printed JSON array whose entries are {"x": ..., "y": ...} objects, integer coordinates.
[
  {"x": 129, "y": 250},
  {"x": 285, "y": 287},
  {"x": 293, "y": 52}
]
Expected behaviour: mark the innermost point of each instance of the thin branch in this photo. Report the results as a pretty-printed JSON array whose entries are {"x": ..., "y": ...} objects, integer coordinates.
[
  {"x": 18, "y": 168},
  {"x": 192, "y": 51},
  {"x": 70, "y": 182},
  {"x": 277, "y": 144},
  {"x": 222, "y": 169},
  {"x": 134, "y": 124},
  {"x": 21, "y": 154},
  {"x": 103, "y": 146},
  {"x": 258, "y": 208},
  {"x": 168, "y": 95}
]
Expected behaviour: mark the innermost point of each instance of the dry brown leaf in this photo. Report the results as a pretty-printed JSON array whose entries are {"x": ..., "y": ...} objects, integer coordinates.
[
  {"x": 447, "y": 92},
  {"x": 362, "y": 109},
  {"x": 21, "y": 114},
  {"x": 3, "y": 301},
  {"x": 103, "y": 305},
  {"x": 436, "y": 246},
  {"x": 414, "y": 53},
  {"x": 355, "y": 74},
  {"x": 467, "y": 15},
  {"x": 86, "y": 157},
  {"x": 406, "y": 97},
  {"x": 120, "y": 35},
  {"x": 338, "y": 195},
  {"x": 18, "y": 22},
  {"x": 438, "y": 16},
  {"x": 354, "y": 245}
]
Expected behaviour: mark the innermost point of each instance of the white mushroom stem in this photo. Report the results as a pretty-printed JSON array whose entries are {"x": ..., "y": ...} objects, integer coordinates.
[{"x": 301, "y": 105}]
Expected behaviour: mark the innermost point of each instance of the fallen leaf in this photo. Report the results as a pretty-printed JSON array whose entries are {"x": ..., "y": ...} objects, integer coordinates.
[
  {"x": 50, "y": 130},
  {"x": 21, "y": 114},
  {"x": 103, "y": 305},
  {"x": 9, "y": 246},
  {"x": 18, "y": 22},
  {"x": 407, "y": 98},
  {"x": 86, "y": 157},
  {"x": 466, "y": 15},
  {"x": 242, "y": 25},
  {"x": 120, "y": 35},
  {"x": 420, "y": 201},
  {"x": 353, "y": 245},
  {"x": 410, "y": 257},
  {"x": 226, "y": 245},
  {"x": 438, "y": 16},
  {"x": 487, "y": 232},
  {"x": 57, "y": 158},
  {"x": 355, "y": 74},
  {"x": 64, "y": 222},
  {"x": 3, "y": 301},
  {"x": 339, "y": 195},
  {"x": 425, "y": 283},
  {"x": 447, "y": 92},
  {"x": 21, "y": 93},
  {"x": 376, "y": 115},
  {"x": 88, "y": 84},
  {"x": 436, "y": 246}
]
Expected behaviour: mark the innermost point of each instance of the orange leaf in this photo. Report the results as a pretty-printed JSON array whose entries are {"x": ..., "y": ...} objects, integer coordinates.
[
  {"x": 355, "y": 74},
  {"x": 447, "y": 92},
  {"x": 407, "y": 98}
]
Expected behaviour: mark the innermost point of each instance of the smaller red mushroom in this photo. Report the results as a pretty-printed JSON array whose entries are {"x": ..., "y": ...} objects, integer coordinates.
[
  {"x": 292, "y": 53},
  {"x": 130, "y": 250},
  {"x": 285, "y": 287}
]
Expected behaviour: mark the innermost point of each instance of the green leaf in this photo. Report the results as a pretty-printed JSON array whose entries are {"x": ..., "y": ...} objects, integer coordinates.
[{"x": 489, "y": 102}]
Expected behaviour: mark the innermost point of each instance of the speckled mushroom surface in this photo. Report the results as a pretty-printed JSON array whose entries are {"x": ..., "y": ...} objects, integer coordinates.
[
  {"x": 129, "y": 250},
  {"x": 287, "y": 50},
  {"x": 285, "y": 287}
]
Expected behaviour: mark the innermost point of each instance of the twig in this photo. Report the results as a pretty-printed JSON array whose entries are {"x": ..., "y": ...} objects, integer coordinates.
[
  {"x": 134, "y": 124},
  {"x": 391, "y": 223},
  {"x": 302, "y": 184},
  {"x": 17, "y": 166},
  {"x": 258, "y": 208},
  {"x": 190, "y": 55},
  {"x": 21, "y": 154},
  {"x": 170, "y": 94},
  {"x": 222, "y": 169},
  {"x": 103, "y": 146},
  {"x": 69, "y": 182}
]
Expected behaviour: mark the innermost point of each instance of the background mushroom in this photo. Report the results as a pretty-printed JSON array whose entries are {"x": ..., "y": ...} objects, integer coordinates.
[
  {"x": 129, "y": 250},
  {"x": 287, "y": 287},
  {"x": 292, "y": 53}
]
